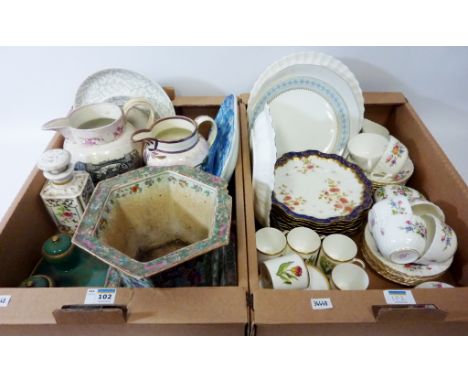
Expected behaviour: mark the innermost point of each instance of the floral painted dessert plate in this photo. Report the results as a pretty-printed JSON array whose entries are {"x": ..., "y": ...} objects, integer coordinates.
[
  {"x": 323, "y": 188},
  {"x": 120, "y": 85},
  {"x": 405, "y": 270}
]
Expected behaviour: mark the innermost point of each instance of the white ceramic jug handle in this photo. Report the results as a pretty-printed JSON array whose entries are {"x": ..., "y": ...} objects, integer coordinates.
[
  {"x": 140, "y": 101},
  {"x": 360, "y": 262},
  {"x": 213, "y": 129}
]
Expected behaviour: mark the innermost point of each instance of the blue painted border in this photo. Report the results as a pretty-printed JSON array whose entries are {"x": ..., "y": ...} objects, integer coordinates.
[
  {"x": 319, "y": 87},
  {"x": 356, "y": 213}
]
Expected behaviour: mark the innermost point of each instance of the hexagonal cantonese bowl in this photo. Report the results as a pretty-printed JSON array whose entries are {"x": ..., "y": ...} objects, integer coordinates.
[{"x": 154, "y": 218}]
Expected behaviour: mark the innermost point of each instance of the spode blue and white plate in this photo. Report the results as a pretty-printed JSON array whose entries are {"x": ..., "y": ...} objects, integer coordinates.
[{"x": 222, "y": 155}]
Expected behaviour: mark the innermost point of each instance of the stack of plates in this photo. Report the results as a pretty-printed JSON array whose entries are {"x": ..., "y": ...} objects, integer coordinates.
[
  {"x": 405, "y": 274},
  {"x": 301, "y": 102},
  {"x": 320, "y": 191}
]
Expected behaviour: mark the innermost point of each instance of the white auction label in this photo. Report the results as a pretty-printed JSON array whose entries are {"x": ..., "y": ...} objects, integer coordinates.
[
  {"x": 4, "y": 301},
  {"x": 397, "y": 297},
  {"x": 100, "y": 296},
  {"x": 321, "y": 303}
]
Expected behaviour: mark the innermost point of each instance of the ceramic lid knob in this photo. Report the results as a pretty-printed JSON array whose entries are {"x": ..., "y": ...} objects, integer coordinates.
[
  {"x": 56, "y": 165},
  {"x": 57, "y": 247},
  {"x": 38, "y": 281}
]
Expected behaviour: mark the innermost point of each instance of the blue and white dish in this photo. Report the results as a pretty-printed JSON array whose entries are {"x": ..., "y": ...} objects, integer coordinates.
[{"x": 222, "y": 156}]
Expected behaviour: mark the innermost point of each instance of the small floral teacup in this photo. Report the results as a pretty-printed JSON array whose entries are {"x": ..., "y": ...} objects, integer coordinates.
[
  {"x": 305, "y": 242},
  {"x": 285, "y": 272},
  {"x": 398, "y": 205},
  {"x": 401, "y": 238},
  {"x": 393, "y": 159},
  {"x": 441, "y": 241},
  {"x": 270, "y": 242}
]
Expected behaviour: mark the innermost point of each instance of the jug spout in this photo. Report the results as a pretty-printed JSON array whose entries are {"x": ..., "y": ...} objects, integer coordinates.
[{"x": 62, "y": 125}]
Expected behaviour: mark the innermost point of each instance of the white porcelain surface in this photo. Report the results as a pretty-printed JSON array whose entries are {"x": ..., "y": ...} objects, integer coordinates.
[
  {"x": 317, "y": 280},
  {"x": 118, "y": 86},
  {"x": 313, "y": 65},
  {"x": 401, "y": 238},
  {"x": 285, "y": 272},
  {"x": 400, "y": 178},
  {"x": 441, "y": 241},
  {"x": 318, "y": 187},
  {"x": 366, "y": 149},
  {"x": 392, "y": 190},
  {"x": 412, "y": 270},
  {"x": 305, "y": 242},
  {"x": 349, "y": 277},
  {"x": 393, "y": 159},
  {"x": 424, "y": 207},
  {"x": 339, "y": 247},
  {"x": 369, "y": 126},
  {"x": 262, "y": 144},
  {"x": 270, "y": 243},
  {"x": 398, "y": 205}
]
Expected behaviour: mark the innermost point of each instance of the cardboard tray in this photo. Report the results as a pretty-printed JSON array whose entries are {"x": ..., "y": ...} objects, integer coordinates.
[
  {"x": 161, "y": 311},
  {"x": 365, "y": 312}
]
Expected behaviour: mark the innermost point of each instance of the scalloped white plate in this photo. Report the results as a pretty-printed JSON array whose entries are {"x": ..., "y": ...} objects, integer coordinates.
[{"x": 316, "y": 65}]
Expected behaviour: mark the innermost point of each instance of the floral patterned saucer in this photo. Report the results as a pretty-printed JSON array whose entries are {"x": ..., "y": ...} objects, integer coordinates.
[
  {"x": 406, "y": 274},
  {"x": 322, "y": 189}
]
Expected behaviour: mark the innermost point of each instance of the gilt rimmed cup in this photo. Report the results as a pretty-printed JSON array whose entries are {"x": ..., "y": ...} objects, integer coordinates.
[
  {"x": 270, "y": 243},
  {"x": 336, "y": 249},
  {"x": 305, "y": 242},
  {"x": 425, "y": 207},
  {"x": 349, "y": 277}
]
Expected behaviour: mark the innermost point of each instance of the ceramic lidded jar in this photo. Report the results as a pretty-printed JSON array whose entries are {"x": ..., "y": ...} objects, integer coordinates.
[
  {"x": 38, "y": 281},
  {"x": 98, "y": 136},
  {"x": 175, "y": 141},
  {"x": 66, "y": 192}
]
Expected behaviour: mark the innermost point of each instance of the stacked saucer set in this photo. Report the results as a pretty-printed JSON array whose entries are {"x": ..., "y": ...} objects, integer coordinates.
[
  {"x": 137, "y": 193},
  {"x": 316, "y": 163}
]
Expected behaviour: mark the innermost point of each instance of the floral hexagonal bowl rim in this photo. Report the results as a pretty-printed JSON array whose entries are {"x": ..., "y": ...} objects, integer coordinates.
[
  {"x": 360, "y": 177},
  {"x": 85, "y": 235}
]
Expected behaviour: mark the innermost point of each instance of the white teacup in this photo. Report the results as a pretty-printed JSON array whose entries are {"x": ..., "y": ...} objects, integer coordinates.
[
  {"x": 366, "y": 149},
  {"x": 270, "y": 242},
  {"x": 305, "y": 242},
  {"x": 425, "y": 207},
  {"x": 369, "y": 126},
  {"x": 349, "y": 277},
  {"x": 441, "y": 241},
  {"x": 393, "y": 159},
  {"x": 398, "y": 205},
  {"x": 401, "y": 238},
  {"x": 285, "y": 272},
  {"x": 317, "y": 279},
  {"x": 336, "y": 249}
]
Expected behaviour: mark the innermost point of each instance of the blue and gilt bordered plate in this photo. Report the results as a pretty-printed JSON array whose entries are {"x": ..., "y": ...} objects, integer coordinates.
[{"x": 307, "y": 114}]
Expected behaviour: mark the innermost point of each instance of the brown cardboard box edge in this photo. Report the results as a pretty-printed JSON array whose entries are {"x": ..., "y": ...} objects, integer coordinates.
[
  {"x": 149, "y": 310},
  {"x": 287, "y": 312}
]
